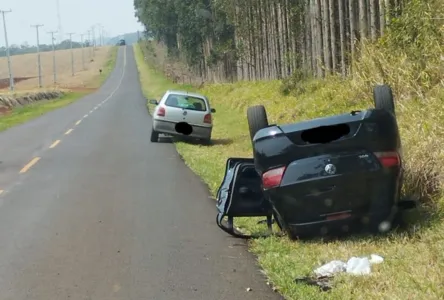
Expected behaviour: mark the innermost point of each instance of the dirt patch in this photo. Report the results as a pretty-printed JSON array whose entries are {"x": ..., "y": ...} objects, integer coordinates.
[
  {"x": 4, "y": 83},
  {"x": 5, "y": 111}
]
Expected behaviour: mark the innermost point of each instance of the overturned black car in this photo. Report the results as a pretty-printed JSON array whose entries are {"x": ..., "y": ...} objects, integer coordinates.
[{"x": 318, "y": 177}]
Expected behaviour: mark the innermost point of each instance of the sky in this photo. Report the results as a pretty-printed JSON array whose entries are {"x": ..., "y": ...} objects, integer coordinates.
[{"x": 77, "y": 16}]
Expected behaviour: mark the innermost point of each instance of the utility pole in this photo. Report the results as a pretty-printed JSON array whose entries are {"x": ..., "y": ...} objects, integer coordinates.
[
  {"x": 101, "y": 35},
  {"x": 53, "y": 56},
  {"x": 89, "y": 43},
  {"x": 59, "y": 22},
  {"x": 39, "y": 65},
  {"x": 11, "y": 77},
  {"x": 83, "y": 54},
  {"x": 94, "y": 39},
  {"x": 72, "y": 53}
]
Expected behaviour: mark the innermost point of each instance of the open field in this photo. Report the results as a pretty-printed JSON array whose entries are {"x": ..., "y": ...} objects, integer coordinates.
[
  {"x": 414, "y": 259},
  {"x": 73, "y": 91},
  {"x": 25, "y": 67}
]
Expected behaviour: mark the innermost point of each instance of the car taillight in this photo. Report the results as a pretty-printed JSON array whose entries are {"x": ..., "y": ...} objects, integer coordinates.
[
  {"x": 388, "y": 159},
  {"x": 161, "y": 112},
  {"x": 272, "y": 178},
  {"x": 207, "y": 119}
]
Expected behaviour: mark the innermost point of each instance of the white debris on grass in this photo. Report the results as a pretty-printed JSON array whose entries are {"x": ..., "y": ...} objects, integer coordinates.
[{"x": 354, "y": 266}]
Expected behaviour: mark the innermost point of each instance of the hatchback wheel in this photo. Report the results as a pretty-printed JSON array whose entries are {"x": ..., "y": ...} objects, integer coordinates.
[
  {"x": 257, "y": 119},
  {"x": 383, "y": 98},
  {"x": 154, "y": 136}
]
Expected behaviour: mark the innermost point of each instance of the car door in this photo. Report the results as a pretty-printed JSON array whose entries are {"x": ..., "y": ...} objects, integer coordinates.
[{"x": 240, "y": 193}]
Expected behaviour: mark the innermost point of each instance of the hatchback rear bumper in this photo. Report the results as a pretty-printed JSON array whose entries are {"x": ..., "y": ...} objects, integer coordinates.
[
  {"x": 166, "y": 127},
  {"x": 355, "y": 223}
]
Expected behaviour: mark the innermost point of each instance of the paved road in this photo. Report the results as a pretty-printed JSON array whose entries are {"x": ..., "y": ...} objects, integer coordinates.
[{"x": 105, "y": 214}]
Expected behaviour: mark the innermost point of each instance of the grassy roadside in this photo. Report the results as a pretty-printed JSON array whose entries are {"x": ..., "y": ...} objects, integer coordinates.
[
  {"x": 414, "y": 260},
  {"x": 21, "y": 115}
]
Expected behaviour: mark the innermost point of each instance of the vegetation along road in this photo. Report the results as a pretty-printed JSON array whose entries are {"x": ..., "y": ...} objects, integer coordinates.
[{"x": 306, "y": 59}]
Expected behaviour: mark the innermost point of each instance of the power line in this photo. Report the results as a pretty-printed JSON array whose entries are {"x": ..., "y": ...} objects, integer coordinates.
[
  {"x": 39, "y": 65},
  {"x": 72, "y": 53},
  {"x": 53, "y": 56},
  {"x": 11, "y": 77}
]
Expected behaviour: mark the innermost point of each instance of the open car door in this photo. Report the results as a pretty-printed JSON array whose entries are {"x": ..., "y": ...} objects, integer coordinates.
[{"x": 240, "y": 195}]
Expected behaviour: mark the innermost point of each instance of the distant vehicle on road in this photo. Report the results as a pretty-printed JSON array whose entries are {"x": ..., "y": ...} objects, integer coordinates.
[
  {"x": 122, "y": 42},
  {"x": 183, "y": 114}
]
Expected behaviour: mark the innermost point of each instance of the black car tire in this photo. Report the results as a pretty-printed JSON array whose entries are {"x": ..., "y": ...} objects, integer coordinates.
[
  {"x": 257, "y": 119},
  {"x": 383, "y": 98},
  {"x": 154, "y": 136}
]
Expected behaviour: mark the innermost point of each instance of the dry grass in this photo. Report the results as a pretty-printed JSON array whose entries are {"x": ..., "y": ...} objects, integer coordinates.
[{"x": 26, "y": 66}]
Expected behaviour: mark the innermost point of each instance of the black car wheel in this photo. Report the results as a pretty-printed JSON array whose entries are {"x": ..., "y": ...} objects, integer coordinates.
[
  {"x": 383, "y": 98},
  {"x": 257, "y": 119},
  {"x": 154, "y": 136}
]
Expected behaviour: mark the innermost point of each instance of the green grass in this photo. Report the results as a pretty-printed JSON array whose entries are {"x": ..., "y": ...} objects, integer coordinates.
[
  {"x": 23, "y": 114},
  {"x": 414, "y": 259}
]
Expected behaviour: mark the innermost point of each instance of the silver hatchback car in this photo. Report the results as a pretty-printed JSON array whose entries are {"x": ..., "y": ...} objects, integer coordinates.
[{"x": 181, "y": 113}]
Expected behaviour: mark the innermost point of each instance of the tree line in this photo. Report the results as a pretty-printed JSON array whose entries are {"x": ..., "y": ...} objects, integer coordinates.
[
  {"x": 227, "y": 40},
  {"x": 25, "y": 48}
]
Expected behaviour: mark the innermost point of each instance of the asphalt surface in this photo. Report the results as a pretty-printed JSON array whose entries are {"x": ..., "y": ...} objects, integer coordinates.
[{"x": 105, "y": 214}]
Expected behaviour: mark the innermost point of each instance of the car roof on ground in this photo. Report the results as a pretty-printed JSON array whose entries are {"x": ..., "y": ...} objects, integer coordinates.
[{"x": 185, "y": 93}]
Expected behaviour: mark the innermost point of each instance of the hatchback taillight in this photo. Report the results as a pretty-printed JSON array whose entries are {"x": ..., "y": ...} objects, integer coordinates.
[
  {"x": 207, "y": 119},
  {"x": 388, "y": 159},
  {"x": 272, "y": 178},
  {"x": 161, "y": 112}
]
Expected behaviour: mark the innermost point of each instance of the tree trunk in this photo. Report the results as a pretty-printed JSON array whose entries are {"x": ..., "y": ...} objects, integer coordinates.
[
  {"x": 319, "y": 39},
  {"x": 373, "y": 20},
  {"x": 325, "y": 35},
  {"x": 278, "y": 42},
  {"x": 353, "y": 29},
  {"x": 308, "y": 36},
  {"x": 314, "y": 36},
  {"x": 331, "y": 8},
  {"x": 342, "y": 35},
  {"x": 363, "y": 29}
]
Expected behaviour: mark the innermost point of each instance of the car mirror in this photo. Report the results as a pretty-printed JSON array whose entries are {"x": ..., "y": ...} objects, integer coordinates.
[
  {"x": 213, "y": 110},
  {"x": 154, "y": 101}
]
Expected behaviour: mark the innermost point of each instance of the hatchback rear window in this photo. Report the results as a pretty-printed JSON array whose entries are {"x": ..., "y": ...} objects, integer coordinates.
[{"x": 187, "y": 102}]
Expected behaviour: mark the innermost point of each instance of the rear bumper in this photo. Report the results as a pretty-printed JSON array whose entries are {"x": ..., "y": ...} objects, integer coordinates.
[
  {"x": 355, "y": 223},
  {"x": 167, "y": 127}
]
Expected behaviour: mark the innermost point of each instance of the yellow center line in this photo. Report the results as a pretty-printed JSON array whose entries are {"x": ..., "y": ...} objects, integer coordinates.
[
  {"x": 1, "y": 192},
  {"x": 29, "y": 165},
  {"x": 78, "y": 122},
  {"x": 68, "y": 132},
  {"x": 54, "y": 144}
]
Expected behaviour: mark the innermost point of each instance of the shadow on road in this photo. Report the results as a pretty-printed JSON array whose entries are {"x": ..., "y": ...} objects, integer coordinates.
[{"x": 165, "y": 139}]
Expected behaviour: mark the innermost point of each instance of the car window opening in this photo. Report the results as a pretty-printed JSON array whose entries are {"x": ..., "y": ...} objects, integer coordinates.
[
  {"x": 325, "y": 134},
  {"x": 186, "y": 102}
]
